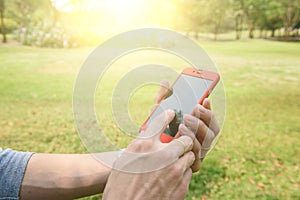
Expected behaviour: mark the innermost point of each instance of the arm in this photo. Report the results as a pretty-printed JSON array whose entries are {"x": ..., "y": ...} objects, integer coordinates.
[
  {"x": 64, "y": 176},
  {"x": 69, "y": 176}
]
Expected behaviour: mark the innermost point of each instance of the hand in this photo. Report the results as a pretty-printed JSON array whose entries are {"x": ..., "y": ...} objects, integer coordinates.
[
  {"x": 201, "y": 123},
  {"x": 149, "y": 169},
  {"x": 204, "y": 125}
]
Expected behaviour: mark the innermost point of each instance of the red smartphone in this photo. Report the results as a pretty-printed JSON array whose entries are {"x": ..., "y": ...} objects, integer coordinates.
[{"x": 191, "y": 87}]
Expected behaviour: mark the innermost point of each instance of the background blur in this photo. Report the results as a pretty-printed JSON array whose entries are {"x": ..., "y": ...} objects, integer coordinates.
[
  {"x": 255, "y": 44},
  {"x": 72, "y": 23}
]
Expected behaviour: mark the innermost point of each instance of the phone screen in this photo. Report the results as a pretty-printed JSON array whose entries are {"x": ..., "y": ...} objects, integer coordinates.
[{"x": 187, "y": 91}]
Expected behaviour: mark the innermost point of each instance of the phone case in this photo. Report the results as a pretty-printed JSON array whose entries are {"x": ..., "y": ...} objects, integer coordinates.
[{"x": 168, "y": 134}]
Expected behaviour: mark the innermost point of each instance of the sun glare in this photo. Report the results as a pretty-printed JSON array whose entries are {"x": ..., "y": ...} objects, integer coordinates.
[
  {"x": 104, "y": 17},
  {"x": 125, "y": 13}
]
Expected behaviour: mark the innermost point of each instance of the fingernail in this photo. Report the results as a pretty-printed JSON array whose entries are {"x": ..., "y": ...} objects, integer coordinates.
[
  {"x": 182, "y": 127},
  {"x": 202, "y": 108}
]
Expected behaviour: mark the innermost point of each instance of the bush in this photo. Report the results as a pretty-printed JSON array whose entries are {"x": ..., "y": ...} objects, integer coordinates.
[
  {"x": 10, "y": 26},
  {"x": 45, "y": 34}
]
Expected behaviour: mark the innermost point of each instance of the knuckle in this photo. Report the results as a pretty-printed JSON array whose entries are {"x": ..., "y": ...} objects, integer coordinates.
[
  {"x": 185, "y": 118},
  {"x": 181, "y": 129},
  {"x": 197, "y": 146},
  {"x": 195, "y": 125},
  {"x": 192, "y": 157},
  {"x": 139, "y": 146},
  {"x": 132, "y": 145},
  {"x": 197, "y": 109},
  {"x": 183, "y": 186},
  {"x": 201, "y": 125},
  {"x": 210, "y": 113},
  {"x": 217, "y": 127},
  {"x": 176, "y": 171},
  {"x": 146, "y": 145},
  {"x": 166, "y": 154},
  {"x": 210, "y": 136},
  {"x": 189, "y": 141}
]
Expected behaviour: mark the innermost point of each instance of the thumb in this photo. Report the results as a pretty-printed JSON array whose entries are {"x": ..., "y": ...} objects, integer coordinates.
[
  {"x": 158, "y": 125},
  {"x": 163, "y": 92}
]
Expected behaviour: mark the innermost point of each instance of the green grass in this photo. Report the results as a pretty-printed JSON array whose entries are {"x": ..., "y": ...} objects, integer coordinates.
[{"x": 257, "y": 155}]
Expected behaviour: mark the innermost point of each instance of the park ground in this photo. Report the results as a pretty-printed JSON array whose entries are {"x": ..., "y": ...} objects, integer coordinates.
[{"x": 257, "y": 155}]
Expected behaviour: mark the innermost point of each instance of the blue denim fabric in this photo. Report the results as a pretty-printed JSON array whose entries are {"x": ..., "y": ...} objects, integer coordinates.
[{"x": 12, "y": 168}]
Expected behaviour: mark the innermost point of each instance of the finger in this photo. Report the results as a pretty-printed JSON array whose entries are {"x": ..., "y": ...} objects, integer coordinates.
[
  {"x": 163, "y": 91},
  {"x": 206, "y": 103},
  {"x": 203, "y": 134},
  {"x": 213, "y": 123},
  {"x": 197, "y": 164},
  {"x": 183, "y": 130},
  {"x": 207, "y": 117},
  {"x": 185, "y": 162},
  {"x": 180, "y": 146},
  {"x": 197, "y": 126},
  {"x": 191, "y": 122},
  {"x": 207, "y": 143},
  {"x": 158, "y": 125},
  {"x": 186, "y": 179},
  {"x": 187, "y": 176}
]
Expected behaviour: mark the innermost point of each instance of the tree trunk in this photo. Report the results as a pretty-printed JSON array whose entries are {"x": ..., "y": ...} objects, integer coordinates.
[
  {"x": 216, "y": 32},
  {"x": 3, "y": 31},
  {"x": 261, "y": 33},
  {"x": 273, "y": 33},
  {"x": 238, "y": 25},
  {"x": 287, "y": 32},
  {"x": 237, "y": 35},
  {"x": 196, "y": 35},
  {"x": 251, "y": 35},
  {"x": 216, "y": 36}
]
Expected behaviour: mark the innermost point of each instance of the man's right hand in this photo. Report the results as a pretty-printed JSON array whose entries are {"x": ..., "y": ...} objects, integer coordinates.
[{"x": 150, "y": 169}]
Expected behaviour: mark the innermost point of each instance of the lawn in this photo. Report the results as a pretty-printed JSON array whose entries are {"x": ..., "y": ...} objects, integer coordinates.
[{"x": 257, "y": 155}]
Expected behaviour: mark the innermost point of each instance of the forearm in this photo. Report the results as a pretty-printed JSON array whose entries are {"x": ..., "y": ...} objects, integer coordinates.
[{"x": 64, "y": 176}]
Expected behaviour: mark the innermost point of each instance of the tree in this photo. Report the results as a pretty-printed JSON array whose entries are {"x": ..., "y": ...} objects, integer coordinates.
[
  {"x": 290, "y": 14},
  {"x": 252, "y": 11},
  {"x": 271, "y": 20},
  {"x": 193, "y": 16},
  {"x": 3, "y": 31},
  {"x": 207, "y": 16},
  {"x": 219, "y": 17},
  {"x": 238, "y": 24}
]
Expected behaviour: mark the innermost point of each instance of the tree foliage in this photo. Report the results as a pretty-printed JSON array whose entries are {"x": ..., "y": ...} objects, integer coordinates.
[
  {"x": 3, "y": 30},
  {"x": 34, "y": 21},
  {"x": 269, "y": 14}
]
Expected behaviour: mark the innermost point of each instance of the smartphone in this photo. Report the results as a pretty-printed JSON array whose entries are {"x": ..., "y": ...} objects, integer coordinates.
[{"x": 192, "y": 86}]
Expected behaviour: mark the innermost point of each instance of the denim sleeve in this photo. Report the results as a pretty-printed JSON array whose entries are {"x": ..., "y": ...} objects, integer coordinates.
[{"x": 12, "y": 168}]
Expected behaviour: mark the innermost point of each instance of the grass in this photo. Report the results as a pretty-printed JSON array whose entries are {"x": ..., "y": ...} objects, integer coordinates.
[{"x": 257, "y": 155}]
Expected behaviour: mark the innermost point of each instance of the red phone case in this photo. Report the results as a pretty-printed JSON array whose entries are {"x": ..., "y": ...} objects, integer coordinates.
[{"x": 165, "y": 138}]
